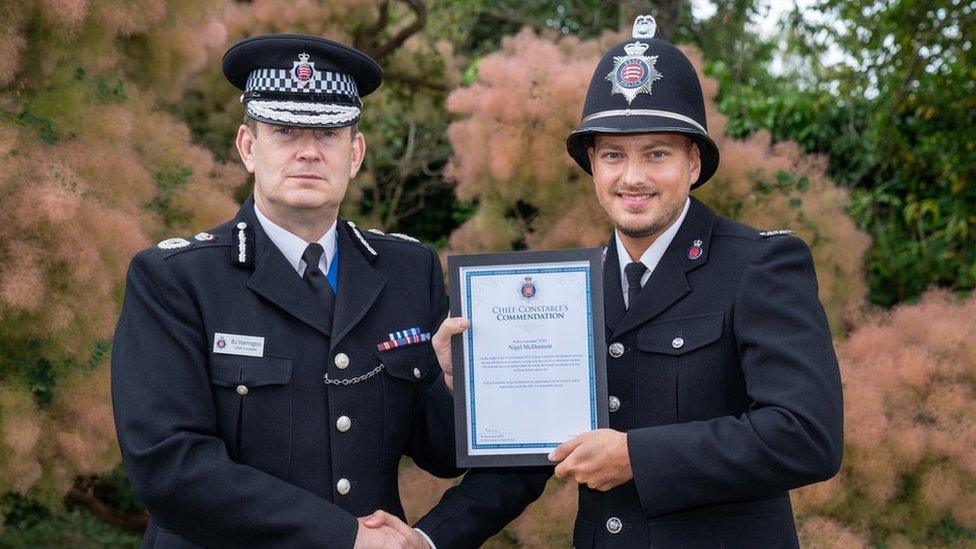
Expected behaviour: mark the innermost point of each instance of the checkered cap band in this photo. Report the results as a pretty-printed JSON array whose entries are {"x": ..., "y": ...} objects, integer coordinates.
[
  {"x": 283, "y": 80},
  {"x": 301, "y": 113}
]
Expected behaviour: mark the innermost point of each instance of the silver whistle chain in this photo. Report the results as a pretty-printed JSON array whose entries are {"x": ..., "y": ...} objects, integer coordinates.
[{"x": 354, "y": 380}]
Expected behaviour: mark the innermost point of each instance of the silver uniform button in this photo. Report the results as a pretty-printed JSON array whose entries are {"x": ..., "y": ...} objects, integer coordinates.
[
  {"x": 617, "y": 350},
  {"x": 614, "y": 403},
  {"x": 242, "y": 390},
  {"x": 614, "y": 525},
  {"x": 343, "y": 486},
  {"x": 677, "y": 343},
  {"x": 342, "y": 361},
  {"x": 343, "y": 424},
  {"x": 416, "y": 373}
]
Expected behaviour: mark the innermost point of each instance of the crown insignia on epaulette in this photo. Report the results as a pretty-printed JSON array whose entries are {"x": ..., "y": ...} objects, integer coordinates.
[
  {"x": 404, "y": 237},
  {"x": 777, "y": 232},
  {"x": 173, "y": 243}
]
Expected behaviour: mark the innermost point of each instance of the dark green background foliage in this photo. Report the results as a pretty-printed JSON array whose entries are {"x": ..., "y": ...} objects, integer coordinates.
[{"x": 894, "y": 113}]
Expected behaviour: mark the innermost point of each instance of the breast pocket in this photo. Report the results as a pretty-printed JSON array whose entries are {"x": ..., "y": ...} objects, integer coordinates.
[
  {"x": 690, "y": 376},
  {"x": 254, "y": 401},
  {"x": 404, "y": 369}
]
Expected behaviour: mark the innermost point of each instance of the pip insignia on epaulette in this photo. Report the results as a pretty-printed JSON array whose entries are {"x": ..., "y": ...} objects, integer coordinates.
[
  {"x": 174, "y": 243},
  {"x": 778, "y": 232},
  {"x": 404, "y": 237},
  {"x": 204, "y": 237},
  {"x": 241, "y": 252},
  {"x": 363, "y": 245}
]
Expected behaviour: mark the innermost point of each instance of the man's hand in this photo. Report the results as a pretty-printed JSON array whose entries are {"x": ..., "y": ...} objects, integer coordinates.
[
  {"x": 598, "y": 459},
  {"x": 377, "y": 538},
  {"x": 382, "y": 529},
  {"x": 442, "y": 345}
]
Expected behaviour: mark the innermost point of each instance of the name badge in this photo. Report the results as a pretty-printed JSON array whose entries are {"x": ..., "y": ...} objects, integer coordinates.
[{"x": 233, "y": 344}]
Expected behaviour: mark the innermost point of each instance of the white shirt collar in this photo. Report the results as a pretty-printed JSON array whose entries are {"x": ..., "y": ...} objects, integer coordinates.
[
  {"x": 293, "y": 246},
  {"x": 652, "y": 255}
]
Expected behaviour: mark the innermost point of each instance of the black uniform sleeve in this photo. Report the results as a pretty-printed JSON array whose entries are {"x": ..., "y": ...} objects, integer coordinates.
[
  {"x": 482, "y": 504},
  {"x": 792, "y": 434},
  {"x": 431, "y": 442},
  {"x": 167, "y": 428}
]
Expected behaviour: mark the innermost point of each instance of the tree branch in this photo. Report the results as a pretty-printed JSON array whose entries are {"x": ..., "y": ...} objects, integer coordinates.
[
  {"x": 367, "y": 39},
  {"x": 414, "y": 82},
  {"x": 81, "y": 493}
]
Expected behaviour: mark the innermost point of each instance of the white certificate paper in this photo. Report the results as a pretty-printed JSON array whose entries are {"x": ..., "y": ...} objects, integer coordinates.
[{"x": 530, "y": 368}]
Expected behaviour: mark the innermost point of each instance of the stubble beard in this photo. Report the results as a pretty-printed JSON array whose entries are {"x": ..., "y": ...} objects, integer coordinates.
[{"x": 654, "y": 227}]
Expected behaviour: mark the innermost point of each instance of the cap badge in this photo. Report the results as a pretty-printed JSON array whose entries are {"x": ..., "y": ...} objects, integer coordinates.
[
  {"x": 644, "y": 26},
  {"x": 302, "y": 70},
  {"x": 633, "y": 73},
  {"x": 695, "y": 251}
]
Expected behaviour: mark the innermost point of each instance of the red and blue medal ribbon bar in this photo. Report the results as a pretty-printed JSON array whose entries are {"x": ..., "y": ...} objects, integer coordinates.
[{"x": 404, "y": 338}]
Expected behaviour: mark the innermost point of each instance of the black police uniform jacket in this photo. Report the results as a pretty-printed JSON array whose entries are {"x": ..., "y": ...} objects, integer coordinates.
[
  {"x": 245, "y": 451},
  {"x": 729, "y": 394}
]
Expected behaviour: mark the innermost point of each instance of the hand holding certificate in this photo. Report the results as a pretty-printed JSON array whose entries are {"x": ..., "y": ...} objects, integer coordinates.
[{"x": 530, "y": 372}]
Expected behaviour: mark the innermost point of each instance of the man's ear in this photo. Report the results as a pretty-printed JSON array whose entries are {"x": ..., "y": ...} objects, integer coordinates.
[
  {"x": 694, "y": 161},
  {"x": 358, "y": 153},
  {"x": 245, "y": 146}
]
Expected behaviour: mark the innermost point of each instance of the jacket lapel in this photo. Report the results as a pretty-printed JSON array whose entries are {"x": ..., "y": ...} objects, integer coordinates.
[
  {"x": 359, "y": 284},
  {"x": 276, "y": 280},
  {"x": 669, "y": 282}
]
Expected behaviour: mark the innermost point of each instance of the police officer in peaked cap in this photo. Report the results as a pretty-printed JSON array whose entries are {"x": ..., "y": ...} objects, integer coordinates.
[
  {"x": 269, "y": 373},
  {"x": 724, "y": 387}
]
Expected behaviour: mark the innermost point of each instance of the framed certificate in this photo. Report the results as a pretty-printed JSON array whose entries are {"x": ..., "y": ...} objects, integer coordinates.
[{"x": 530, "y": 371}]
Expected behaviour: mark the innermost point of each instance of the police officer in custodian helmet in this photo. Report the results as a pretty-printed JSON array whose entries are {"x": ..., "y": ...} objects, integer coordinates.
[
  {"x": 724, "y": 387},
  {"x": 268, "y": 374}
]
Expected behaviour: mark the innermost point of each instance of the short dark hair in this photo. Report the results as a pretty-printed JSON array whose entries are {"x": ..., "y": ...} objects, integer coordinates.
[{"x": 253, "y": 125}]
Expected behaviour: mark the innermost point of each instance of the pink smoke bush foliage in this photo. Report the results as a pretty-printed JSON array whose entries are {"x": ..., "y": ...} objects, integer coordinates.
[
  {"x": 910, "y": 423},
  {"x": 94, "y": 169}
]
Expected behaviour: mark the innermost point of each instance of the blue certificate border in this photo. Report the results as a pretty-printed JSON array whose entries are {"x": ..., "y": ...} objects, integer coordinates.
[{"x": 591, "y": 358}]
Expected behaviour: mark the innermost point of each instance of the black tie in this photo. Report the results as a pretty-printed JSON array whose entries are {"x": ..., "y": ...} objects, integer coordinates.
[
  {"x": 634, "y": 272},
  {"x": 315, "y": 279}
]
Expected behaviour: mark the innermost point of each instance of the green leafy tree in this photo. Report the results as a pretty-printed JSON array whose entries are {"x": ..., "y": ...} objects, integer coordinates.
[{"x": 895, "y": 113}]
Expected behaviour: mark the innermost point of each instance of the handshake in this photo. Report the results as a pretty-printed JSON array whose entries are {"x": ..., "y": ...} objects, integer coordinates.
[{"x": 381, "y": 530}]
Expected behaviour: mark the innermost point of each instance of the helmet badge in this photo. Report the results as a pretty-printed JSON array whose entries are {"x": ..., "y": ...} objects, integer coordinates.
[{"x": 633, "y": 73}]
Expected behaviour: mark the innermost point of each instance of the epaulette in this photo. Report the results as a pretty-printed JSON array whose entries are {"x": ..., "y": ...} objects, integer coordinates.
[
  {"x": 778, "y": 232},
  {"x": 178, "y": 243},
  {"x": 404, "y": 237},
  {"x": 401, "y": 236},
  {"x": 174, "y": 244}
]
